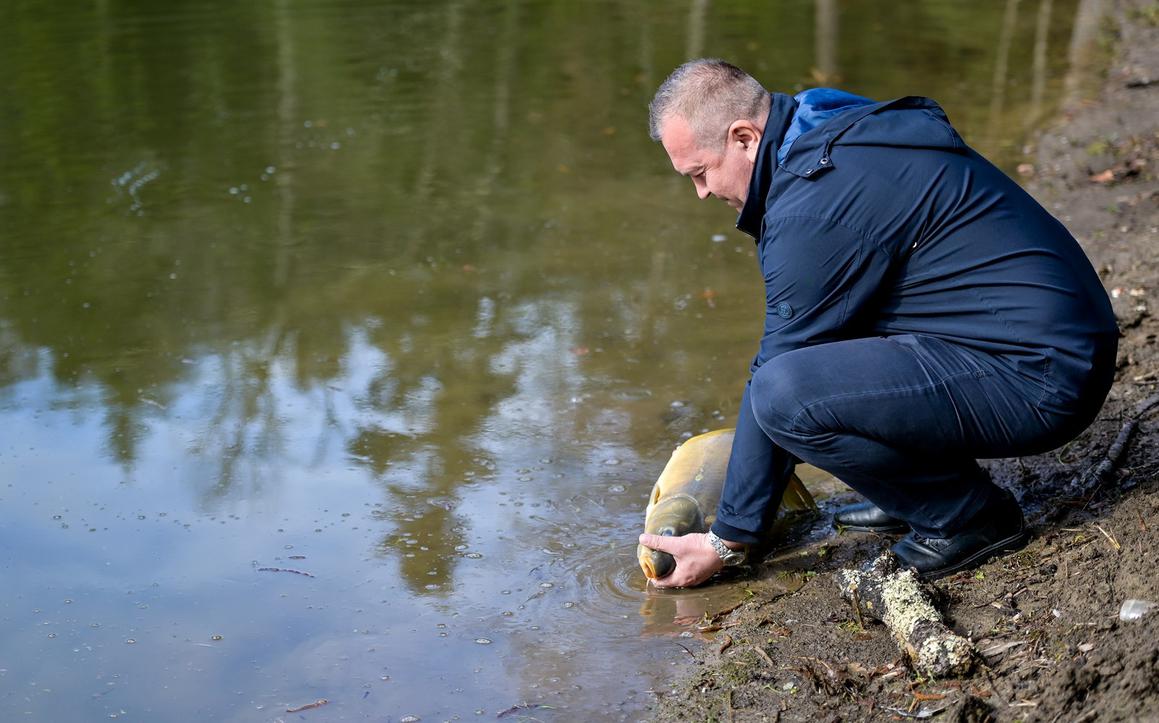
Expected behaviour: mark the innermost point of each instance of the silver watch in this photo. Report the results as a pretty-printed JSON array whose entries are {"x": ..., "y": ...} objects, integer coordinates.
[{"x": 729, "y": 557}]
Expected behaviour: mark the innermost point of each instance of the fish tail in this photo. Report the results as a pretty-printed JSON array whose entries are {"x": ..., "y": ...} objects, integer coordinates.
[{"x": 796, "y": 497}]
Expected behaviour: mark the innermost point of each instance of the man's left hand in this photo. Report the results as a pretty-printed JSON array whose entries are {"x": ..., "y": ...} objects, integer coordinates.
[{"x": 696, "y": 561}]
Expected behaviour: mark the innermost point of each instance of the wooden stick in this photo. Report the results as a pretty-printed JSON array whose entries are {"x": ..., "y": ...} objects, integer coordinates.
[
  {"x": 896, "y": 598},
  {"x": 1102, "y": 472}
]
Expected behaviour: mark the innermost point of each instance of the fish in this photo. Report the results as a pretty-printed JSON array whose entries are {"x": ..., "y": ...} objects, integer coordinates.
[{"x": 685, "y": 496}]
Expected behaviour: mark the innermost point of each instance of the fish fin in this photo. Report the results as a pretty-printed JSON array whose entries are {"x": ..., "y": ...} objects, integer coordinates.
[{"x": 796, "y": 497}]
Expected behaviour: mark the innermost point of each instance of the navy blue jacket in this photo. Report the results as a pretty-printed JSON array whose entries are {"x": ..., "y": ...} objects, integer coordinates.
[{"x": 875, "y": 219}]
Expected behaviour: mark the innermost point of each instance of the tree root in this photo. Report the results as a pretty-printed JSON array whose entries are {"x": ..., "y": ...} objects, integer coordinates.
[{"x": 897, "y": 599}]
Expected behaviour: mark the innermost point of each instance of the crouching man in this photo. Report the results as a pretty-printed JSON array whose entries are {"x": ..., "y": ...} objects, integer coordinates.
[{"x": 922, "y": 311}]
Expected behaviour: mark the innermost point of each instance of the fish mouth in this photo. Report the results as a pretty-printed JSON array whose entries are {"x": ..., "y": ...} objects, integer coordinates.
[{"x": 654, "y": 563}]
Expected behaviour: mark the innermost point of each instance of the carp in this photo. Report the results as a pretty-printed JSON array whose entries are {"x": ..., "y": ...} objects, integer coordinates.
[{"x": 685, "y": 496}]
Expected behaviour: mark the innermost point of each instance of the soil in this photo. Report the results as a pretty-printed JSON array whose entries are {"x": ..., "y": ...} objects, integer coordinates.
[{"x": 1045, "y": 620}]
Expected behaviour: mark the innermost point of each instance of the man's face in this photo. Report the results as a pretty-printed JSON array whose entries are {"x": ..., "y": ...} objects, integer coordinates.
[{"x": 723, "y": 171}]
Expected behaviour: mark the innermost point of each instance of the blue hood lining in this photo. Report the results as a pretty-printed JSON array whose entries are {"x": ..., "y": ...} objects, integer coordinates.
[{"x": 814, "y": 107}]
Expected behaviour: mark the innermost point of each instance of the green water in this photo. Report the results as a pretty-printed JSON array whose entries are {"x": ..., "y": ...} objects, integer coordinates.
[{"x": 398, "y": 295}]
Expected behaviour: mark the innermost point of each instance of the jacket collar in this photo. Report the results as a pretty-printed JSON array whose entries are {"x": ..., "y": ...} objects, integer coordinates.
[{"x": 781, "y": 111}]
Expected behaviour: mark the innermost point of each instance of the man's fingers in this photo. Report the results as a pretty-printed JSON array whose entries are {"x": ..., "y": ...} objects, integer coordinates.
[{"x": 661, "y": 543}]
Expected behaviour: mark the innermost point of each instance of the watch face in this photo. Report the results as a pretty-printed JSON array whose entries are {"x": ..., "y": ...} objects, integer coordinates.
[{"x": 734, "y": 557}]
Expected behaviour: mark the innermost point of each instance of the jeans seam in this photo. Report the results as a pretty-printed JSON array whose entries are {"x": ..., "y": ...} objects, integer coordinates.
[{"x": 851, "y": 395}]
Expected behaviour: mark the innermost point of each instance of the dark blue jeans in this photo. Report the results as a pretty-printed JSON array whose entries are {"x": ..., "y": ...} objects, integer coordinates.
[{"x": 902, "y": 419}]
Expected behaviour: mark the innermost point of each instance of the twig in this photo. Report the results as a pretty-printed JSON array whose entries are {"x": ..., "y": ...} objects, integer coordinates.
[
  {"x": 316, "y": 704},
  {"x": 857, "y": 608},
  {"x": 1101, "y": 473},
  {"x": 1114, "y": 542},
  {"x": 725, "y": 644},
  {"x": 285, "y": 569},
  {"x": 764, "y": 656}
]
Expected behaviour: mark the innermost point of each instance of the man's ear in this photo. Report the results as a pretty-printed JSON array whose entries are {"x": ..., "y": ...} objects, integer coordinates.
[{"x": 747, "y": 135}]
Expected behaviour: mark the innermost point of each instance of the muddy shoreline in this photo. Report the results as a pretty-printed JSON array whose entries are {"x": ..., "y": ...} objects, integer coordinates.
[{"x": 1045, "y": 620}]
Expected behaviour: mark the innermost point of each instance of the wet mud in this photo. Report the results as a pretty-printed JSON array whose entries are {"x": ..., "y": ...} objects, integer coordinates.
[{"x": 1045, "y": 621}]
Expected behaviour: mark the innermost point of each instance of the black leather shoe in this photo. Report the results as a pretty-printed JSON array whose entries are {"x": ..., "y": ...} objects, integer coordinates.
[
  {"x": 867, "y": 517},
  {"x": 999, "y": 530}
]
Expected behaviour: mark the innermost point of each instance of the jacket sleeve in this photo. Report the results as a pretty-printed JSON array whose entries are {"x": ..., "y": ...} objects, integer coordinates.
[{"x": 819, "y": 276}]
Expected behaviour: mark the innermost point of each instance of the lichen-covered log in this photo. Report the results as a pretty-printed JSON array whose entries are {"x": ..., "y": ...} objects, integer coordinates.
[{"x": 897, "y": 598}]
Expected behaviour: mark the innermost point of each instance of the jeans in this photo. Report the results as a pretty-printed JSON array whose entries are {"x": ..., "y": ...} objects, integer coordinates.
[{"x": 902, "y": 419}]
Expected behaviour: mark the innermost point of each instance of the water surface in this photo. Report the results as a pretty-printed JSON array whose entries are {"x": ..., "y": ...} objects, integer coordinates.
[{"x": 340, "y": 343}]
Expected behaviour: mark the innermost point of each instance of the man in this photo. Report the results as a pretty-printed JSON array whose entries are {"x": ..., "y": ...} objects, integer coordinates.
[{"x": 922, "y": 311}]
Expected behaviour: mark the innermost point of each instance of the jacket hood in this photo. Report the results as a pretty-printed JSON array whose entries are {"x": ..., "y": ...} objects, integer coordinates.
[{"x": 802, "y": 130}]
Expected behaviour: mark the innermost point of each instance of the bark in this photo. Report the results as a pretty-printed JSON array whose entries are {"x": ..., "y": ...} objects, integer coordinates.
[{"x": 896, "y": 598}]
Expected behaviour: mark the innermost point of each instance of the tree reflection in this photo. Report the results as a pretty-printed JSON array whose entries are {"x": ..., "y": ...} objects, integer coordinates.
[{"x": 438, "y": 184}]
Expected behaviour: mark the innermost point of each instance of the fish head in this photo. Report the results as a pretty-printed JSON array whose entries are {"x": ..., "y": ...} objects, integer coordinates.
[{"x": 671, "y": 517}]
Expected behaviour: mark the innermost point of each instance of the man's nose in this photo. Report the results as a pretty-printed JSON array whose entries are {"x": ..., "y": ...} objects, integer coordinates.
[{"x": 702, "y": 191}]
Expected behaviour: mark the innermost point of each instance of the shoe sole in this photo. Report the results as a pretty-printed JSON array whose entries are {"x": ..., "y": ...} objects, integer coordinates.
[{"x": 1010, "y": 544}]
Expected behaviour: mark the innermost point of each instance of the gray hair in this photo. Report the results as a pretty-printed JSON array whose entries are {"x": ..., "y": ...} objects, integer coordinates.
[{"x": 709, "y": 94}]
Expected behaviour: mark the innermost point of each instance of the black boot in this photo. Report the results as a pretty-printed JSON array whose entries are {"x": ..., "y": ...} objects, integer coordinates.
[
  {"x": 867, "y": 517},
  {"x": 997, "y": 529}
]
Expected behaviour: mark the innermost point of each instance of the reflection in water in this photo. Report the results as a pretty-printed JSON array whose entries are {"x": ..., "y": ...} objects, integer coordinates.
[{"x": 397, "y": 294}]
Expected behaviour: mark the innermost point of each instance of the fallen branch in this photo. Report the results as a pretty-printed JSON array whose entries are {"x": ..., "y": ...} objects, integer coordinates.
[
  {"x": 1086, "y": 484},
  {"x": 897, "y": 599}
]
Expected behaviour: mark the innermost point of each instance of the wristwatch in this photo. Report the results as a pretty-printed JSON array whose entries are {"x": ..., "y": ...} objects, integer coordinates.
[{"x": 728, "y": 556}]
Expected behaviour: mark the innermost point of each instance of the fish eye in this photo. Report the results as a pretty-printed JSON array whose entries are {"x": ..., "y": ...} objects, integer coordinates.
[{"x": 667, "y": 531}]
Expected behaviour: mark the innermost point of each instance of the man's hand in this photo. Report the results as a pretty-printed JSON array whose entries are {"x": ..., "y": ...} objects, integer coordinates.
[{"x": 696, "y": 561}]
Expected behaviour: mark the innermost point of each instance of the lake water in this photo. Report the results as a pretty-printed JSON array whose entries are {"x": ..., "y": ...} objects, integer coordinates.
[{"x": 341, "y": 343}]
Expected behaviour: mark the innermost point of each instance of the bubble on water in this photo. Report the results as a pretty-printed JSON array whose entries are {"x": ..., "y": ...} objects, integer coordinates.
[
  {"x": 569, "y": 605},
  {"x": 474, "y": 556},
  {"x": 215, "y": 637},
  {"x": 409, "y": 719},
  {"x": 508, "y": 614},
  {"x": 617, "y": 489},
  {"x": 234, "y": 190},
  {"x": 546, "y": 585},
  {"x": 56, "y": 517},
  {"x": 335, "y": 146},
  {"x": 460, "y": 548},
  {"x": 52, "y": 635},
  {"x": 611, "y": 461},
  {"x": 483, "y": 641},
  {"x": 271, "y": 170},
  {"x": 130, "y": 641}
]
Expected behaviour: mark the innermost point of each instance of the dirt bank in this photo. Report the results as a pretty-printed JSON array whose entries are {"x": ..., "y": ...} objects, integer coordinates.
[{"x": 1046, "y": 620}]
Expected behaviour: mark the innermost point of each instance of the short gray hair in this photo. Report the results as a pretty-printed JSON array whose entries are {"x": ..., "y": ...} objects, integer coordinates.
[{"x": 709, "y": 94}]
